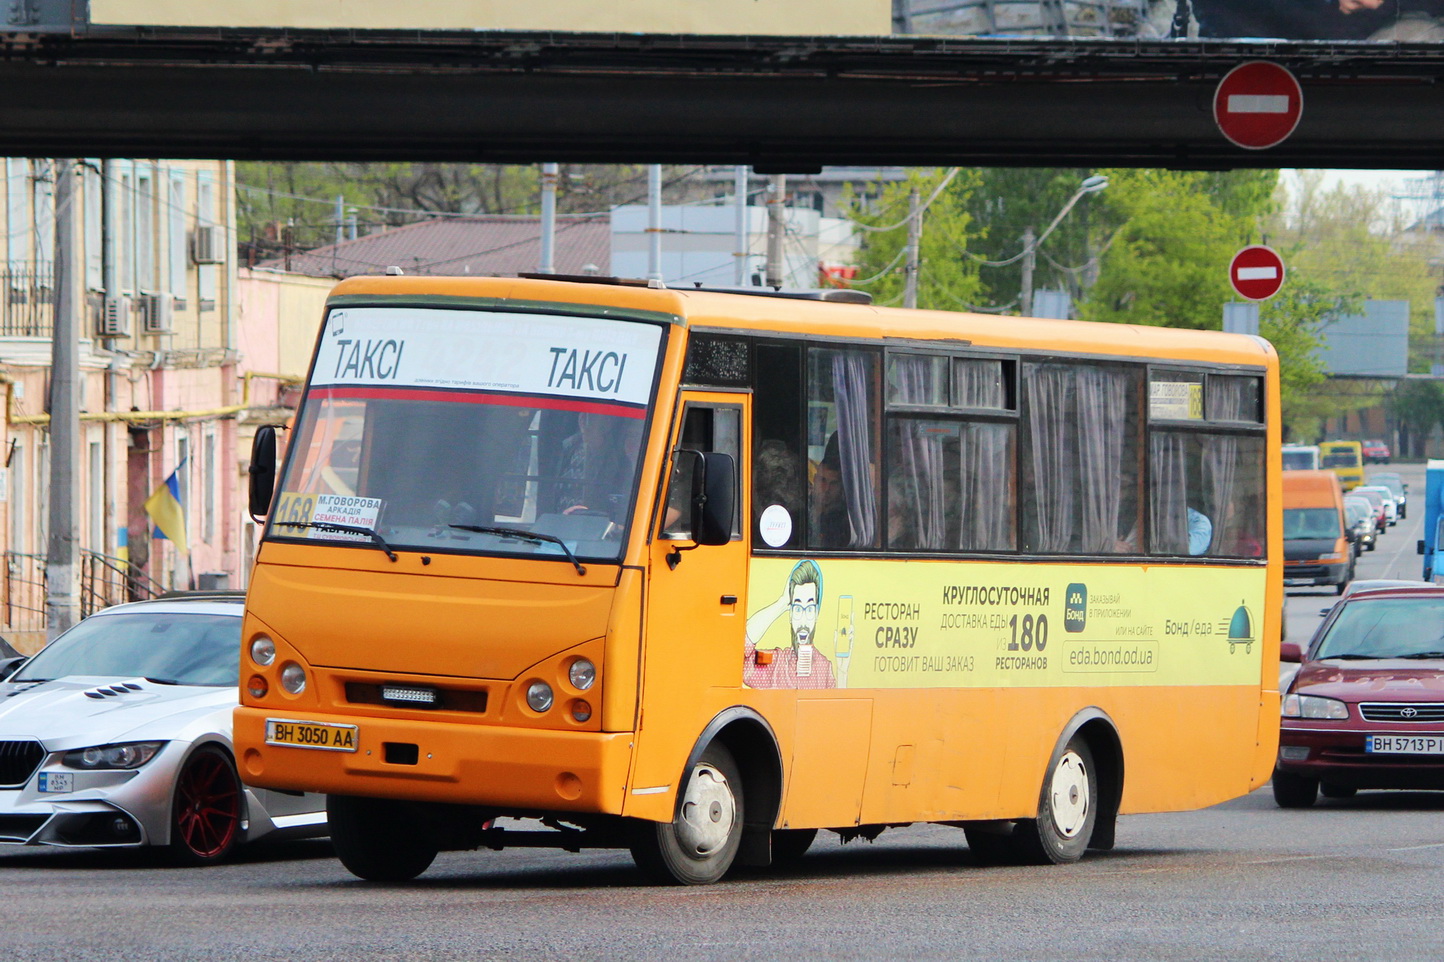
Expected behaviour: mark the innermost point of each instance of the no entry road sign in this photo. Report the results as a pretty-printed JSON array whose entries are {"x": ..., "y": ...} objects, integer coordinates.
[
  {"x": 1256, "y": 272},
  {"x": 1258, "y": 104}
]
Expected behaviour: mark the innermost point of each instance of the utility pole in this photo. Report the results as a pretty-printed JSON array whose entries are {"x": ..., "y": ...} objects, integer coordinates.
[
  {"x": 62, "y": 604},
  {"x": 1030, "y": 255},
  {"x": 743, "y": 234},
  {"x": 654, "y": 222},
  {"x": 776, "y": 228},
  {"x": 548, "y": 263},
  {"x": 915, "y": 233}
]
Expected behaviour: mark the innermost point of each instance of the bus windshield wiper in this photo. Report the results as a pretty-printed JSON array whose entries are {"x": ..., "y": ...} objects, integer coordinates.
[
  {"x": 379, "y": 541},
  {"x": 525, "y": 536}
]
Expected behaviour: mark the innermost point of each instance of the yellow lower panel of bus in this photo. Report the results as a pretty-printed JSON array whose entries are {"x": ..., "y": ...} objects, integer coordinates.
[{"x": 441, "y": 762}]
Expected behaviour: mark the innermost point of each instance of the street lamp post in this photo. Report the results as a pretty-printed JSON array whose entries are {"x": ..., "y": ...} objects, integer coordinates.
[{"x": 1090, "y": 185}]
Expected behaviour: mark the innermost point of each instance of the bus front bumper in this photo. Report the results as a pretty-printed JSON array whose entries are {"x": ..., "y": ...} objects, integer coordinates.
[{"x": 508, "y": 768}]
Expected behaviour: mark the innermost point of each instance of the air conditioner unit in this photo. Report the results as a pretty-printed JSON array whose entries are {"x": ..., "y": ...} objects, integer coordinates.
[
  {"x": 206, "y": 246},
  {"x": 114, "y": 320},
  {"x": 157, "y": 311}
]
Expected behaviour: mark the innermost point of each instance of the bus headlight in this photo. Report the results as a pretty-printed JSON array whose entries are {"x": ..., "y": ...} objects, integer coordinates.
[
  {"x": 539, "y": 696},
  {"x": 293, "y": 678},
  {"x": 263, "y": 650},
  {"x": 582, "y": 674}
]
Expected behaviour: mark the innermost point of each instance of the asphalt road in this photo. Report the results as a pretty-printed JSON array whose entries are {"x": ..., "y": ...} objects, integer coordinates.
[{"x": 1352, "y": 879}]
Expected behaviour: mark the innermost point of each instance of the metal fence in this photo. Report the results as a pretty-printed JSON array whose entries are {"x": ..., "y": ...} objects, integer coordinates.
[
  {"x": 27, "y": 299},
  {"x": 104, "y": 581}
]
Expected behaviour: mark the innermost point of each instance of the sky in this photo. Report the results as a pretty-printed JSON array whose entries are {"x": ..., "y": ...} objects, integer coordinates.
[{"x": 1412, "y": 197}]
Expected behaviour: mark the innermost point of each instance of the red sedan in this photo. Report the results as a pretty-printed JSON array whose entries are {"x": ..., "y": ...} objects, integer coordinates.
[
  {"x": 1376, "y": 452},
  {"x": 1366, "y": 708}
]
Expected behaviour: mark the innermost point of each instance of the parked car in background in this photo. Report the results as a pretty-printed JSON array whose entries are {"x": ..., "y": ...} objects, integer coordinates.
[
  {"x": 1366, "y": 707},
  {"x": 1344, "y": 458},
  {"x": 1391, "y": 508},
  {"x": 118, "y": 734},
  {"x": 1360, "y": 516},
  {"x": 1376, "y": 452},
  {"x": 1376, "y": 500},
  {"x": 1316, "y": 545},
  {"x": 1300, "y": 457},
  {"x": 1395, "y": 484}
]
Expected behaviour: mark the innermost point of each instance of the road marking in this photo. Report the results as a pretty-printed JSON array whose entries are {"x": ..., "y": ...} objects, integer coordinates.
[{"x": 1414, "y": 848}]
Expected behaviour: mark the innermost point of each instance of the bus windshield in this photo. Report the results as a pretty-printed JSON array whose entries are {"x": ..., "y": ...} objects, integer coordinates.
[{"x": 422, "y": 426}]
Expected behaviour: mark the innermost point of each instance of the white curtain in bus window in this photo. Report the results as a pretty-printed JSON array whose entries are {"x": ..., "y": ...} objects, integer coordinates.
[
  {"x": 919, "y": 496},
  {"x": 848, "y": 380},
  {"x": 978, "y": 383},
  {"x": 1082, "y": 427},
  {"x": 921, "y": 503},
  {"x": 1207, "y": 495},
  {"x": 986, "y": 472},
  {"x": 1233, "y": 397}
]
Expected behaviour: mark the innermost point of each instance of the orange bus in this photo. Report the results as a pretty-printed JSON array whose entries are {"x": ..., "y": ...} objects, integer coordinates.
[{"x": 698, "y": 574}]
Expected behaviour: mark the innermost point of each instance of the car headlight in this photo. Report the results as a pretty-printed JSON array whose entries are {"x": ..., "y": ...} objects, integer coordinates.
[
  {"x": 1313, "y": 706},
  {"x": 97, "y": 757}
]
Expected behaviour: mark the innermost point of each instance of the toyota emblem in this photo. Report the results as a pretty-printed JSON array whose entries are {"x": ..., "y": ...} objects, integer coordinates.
[{"x": 1408, "y": 712}]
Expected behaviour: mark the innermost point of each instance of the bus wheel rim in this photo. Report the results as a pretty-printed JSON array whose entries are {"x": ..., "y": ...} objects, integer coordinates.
[
  {"x": 708, "y": 812},
  {"x": 1069, "y": 795}
]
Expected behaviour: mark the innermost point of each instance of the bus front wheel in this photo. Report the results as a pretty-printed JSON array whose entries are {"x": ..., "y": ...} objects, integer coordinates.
[
  {"x": 697, "y": 847},
  {"x": 378, "y": 840}
]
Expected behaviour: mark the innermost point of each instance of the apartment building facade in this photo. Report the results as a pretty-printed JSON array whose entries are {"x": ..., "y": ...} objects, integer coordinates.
[{"x": 162, "y": 387}]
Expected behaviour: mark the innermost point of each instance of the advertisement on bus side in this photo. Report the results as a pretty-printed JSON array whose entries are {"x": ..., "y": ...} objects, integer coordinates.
[{"x": 854, "y": 623}]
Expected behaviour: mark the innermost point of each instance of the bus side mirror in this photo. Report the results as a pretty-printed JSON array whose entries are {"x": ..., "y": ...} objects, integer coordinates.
[
  {"x": 262, "y": 470},
  {"x": 714, "y": 498},
  {"x": 1420, "y": 547}
]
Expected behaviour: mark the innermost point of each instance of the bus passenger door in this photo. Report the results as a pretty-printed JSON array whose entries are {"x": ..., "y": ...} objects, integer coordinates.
[{"x": 695, "y": 609}]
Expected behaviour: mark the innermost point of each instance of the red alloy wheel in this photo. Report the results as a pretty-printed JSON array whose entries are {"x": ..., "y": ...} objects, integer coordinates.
[{"x": 207, "y": 814}]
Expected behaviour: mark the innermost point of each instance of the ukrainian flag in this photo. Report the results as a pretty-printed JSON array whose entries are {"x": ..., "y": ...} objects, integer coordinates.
[{"x": 165, "y": 509}]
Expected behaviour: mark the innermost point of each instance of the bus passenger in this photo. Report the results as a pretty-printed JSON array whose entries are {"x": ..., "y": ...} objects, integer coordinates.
[{"x": 829, "y": 501}]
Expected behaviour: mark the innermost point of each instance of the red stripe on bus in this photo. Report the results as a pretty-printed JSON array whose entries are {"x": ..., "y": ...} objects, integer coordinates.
[{"x": 480, "y": 397}]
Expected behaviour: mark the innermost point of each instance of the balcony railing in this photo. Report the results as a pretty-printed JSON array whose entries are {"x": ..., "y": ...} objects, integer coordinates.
[
  {"x": 27, "y": 299},
  {"x": 104, "y": 581}
]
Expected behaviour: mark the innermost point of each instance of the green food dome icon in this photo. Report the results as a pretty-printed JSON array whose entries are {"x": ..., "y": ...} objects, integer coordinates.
[{"x": 1240, "y": 630}]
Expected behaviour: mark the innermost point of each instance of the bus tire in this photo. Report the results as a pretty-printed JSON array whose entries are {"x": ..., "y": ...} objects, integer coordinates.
[
  {"x": 790, "y": 844},
  {"x": 697, "y": 847},
  {"x": 1294, "y": 791},
  {"x": 1067, "y": 810},
  {"x": 378, "y": 840}
]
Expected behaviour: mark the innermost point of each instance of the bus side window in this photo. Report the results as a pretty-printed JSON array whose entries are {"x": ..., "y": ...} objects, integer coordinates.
[
  {"x": 779, "y": 458},
  {"x": 705, "y": 428}
]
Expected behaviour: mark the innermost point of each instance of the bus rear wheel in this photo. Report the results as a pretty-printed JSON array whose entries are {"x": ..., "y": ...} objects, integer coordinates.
[
  {"x": 378, "y": 840},
  {"x": 697, "y": 847},
  {"x": 1067, "y": 811}
]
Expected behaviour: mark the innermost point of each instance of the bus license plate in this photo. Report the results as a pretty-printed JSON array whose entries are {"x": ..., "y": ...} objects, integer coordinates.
[
  {"x": 299, "y": 734},
  {"x": 1404, "y": 744}
]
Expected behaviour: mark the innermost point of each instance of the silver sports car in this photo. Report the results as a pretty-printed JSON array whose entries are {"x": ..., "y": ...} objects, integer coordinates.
[{"x": 119, "y": 734}]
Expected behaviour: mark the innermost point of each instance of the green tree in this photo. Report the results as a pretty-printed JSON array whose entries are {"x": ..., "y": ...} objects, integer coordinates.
[
  {"x": 1167, "y": 264},
  {"x": 1008, "y": 201},
  {"x": 947, "y": 278}
]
